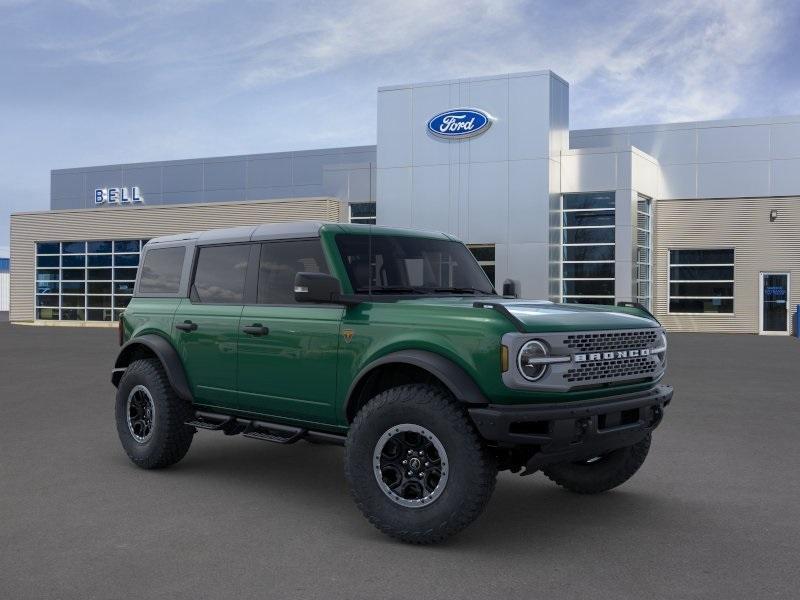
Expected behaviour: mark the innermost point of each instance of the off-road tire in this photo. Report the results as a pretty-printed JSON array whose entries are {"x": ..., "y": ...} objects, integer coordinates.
[
  {"x": 472, "y": 469},
  {"x": 608, "y": 472},
  {"x": 171, "y": 437}
]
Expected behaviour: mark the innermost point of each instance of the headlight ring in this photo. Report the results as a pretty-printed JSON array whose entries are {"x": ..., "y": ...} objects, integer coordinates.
[{"x": 527, "y": 357}]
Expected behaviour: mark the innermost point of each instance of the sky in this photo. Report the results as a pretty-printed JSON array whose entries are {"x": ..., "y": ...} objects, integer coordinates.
[{"x": 93, "y": 82}]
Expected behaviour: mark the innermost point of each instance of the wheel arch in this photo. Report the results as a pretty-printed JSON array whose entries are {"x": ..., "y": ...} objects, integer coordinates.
[
  {"x": 155, "y": 346},
  {"x": 405, "y": 366}
]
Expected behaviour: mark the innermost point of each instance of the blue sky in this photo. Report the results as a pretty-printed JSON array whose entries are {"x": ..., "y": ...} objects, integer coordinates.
[{"x": 93, "y": 82}]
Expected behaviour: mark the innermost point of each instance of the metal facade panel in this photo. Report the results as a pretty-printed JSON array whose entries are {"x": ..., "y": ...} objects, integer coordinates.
[
  {"x": 4, "y": 291},
  {"x": 729, "y": 144},
  {"x": 226, "y": 175},
  {"x": 395, "y": 138},
  {"x": 141, "y": 222},
  {"x": 785, "y": 140},
  {"x": 739, "y": 223},
  {"x": 733, "y": 179},
  {"x": 183, "y": 178}
]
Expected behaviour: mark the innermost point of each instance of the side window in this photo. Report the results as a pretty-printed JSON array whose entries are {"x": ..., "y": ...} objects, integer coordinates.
[
  {"x": 161, "y": 270},
  {"x": 280, "y": 262},
  {"x": 220, "y": 273}
]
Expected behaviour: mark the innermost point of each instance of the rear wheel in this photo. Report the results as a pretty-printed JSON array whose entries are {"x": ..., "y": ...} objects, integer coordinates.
[
  {"x": 151, "y": 419},
  {"x": 600, "y": 473},
  {"x": 416, "y": 467}
]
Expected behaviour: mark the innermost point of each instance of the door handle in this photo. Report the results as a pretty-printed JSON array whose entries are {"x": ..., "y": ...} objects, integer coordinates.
[
  {"x": 256, "y": 329},
  {"x": 186, "y": 326}
]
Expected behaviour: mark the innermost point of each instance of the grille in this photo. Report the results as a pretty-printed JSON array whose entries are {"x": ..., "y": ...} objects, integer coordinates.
[
  {"x": 618, "y": 368},
  {"x": 612, "y": 340}
]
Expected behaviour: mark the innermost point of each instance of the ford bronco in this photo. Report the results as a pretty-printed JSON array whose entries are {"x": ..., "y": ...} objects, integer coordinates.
[{"x": 394, "y": 344}]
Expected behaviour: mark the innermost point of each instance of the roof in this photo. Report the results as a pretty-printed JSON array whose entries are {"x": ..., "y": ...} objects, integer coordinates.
[{"x": 291, "y": 230}]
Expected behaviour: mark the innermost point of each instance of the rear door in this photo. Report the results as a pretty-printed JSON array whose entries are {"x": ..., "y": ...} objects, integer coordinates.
[
  {"x": 207, "y": 323},
  {"x": 288, "y": 351}
]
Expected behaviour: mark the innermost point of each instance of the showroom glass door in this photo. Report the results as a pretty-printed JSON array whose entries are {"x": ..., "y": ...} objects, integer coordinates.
[{"x": 774, "y": 297}]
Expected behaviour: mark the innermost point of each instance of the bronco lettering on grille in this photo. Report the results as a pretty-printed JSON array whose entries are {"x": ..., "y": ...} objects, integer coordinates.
[{"x": 594, "y": 356}]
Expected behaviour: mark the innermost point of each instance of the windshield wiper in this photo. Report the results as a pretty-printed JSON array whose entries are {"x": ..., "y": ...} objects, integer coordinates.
[
  {"x": 391, "y": 289},
  {"x": 463, "y": 290}
]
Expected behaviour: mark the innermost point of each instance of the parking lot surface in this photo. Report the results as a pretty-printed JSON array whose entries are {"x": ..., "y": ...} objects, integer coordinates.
[{"x": 714, "y": 512}]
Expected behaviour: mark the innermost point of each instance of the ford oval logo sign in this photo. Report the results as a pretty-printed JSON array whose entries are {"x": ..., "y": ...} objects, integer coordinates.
[{"x": 460, "y": 123}]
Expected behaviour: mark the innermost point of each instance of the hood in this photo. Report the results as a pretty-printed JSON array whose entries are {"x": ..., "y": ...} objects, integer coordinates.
[
  {"x": 534, "y": 316},
  {"x": 545, "y": 316}
]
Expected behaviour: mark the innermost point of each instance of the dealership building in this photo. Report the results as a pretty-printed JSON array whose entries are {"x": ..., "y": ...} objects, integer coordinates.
[{"x": 699, "y": 222}]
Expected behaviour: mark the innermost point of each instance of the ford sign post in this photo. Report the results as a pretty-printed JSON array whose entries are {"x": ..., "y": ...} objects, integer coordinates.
[{"x": 459, "y": 123}]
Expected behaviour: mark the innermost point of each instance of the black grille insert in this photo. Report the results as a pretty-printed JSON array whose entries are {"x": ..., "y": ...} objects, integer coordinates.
[{"x": 612, "y": 340}]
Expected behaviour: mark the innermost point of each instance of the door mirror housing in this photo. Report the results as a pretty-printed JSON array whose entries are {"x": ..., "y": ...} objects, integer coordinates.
[{"x": 317, "y": 287}]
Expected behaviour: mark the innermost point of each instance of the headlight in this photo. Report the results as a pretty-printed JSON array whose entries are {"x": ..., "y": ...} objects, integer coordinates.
[{"x": 528, "y": 360}]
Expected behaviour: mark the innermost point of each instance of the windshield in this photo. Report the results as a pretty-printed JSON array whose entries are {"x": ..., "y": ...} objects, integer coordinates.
[{"x": 385, "y": 264}]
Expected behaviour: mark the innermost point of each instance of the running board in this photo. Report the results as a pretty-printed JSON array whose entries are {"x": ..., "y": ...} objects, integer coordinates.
[{"x": 277, "y": 433}]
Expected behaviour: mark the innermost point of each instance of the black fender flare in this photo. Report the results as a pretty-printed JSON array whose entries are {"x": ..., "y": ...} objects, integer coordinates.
[
  {"x": 165, "y": 352},
  {"x": 455, "y": 378}
]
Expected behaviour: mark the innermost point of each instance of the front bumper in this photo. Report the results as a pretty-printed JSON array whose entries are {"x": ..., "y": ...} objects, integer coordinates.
[{"x": 578, "y": 430}]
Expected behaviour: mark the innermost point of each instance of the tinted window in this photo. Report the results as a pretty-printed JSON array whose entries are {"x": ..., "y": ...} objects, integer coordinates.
[
  {"x": 280, "y": 262},
  {"x": 220, "y": 273},
  {"x": 161, "y": 271},
  {"x": 399, "y": 264}
]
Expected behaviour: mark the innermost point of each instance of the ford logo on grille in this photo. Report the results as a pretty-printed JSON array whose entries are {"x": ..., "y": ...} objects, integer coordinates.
[{"x": 459, "y": 123}]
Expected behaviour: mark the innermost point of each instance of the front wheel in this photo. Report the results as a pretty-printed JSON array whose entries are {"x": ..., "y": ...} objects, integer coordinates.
[
  {"x": 600, "y": 473},
  {"x": 415, "y": 465}
]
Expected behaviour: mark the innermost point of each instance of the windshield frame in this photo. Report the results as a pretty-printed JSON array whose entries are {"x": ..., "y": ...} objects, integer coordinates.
[{"x": 392, "y": 292}]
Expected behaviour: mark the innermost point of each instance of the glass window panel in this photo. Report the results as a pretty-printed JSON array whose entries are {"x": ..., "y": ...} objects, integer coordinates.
[
  {"x": 98, "y": 315},
  {"x": 126, "y": 246},
  {"x": 588, "y": 270},
  {"x": 701, "y": 289},
  {"x": 47, "y": 248},
  {"x": 73, "y": 314},
  {"x": 489, "y": 270},
  {"x": 101, "y": 260},
  {"x": 161, "y": 272},
  {"x": 98, "y": 274},
  {"x": 47, "y": 314},
  {"x": 100, "y": 287},
  {"x": 99, "y": 246},
  {"x": 73, "y": 247},
  {"x": 589, "y": 236},
  {"x": 131, "y": 274},
  {"x": 49, "y": 300},
  {"x": 121, "y": 301},
  {"x": 588, "y": 218},
  {"x": 47, "y": 287},
  {"x": 98, "y": 301},
  {"x": 47, "y": 274},
  {"x": 220, "y": 272},
  {"x": 280, "y": 262},
  {"x": 123, "y": 287},
  {"x": 73, "y": 287},
  {"x": 703, "y": 305},
  {"x": 588, "y": 288},
  {"x": 592, "y": 200},
  {"x": 589, "y": 300},
  {"x": 68, "y": 300},
  {"x": 47, "y": 261},
  {"x": 362, "y": 209},
  {"x": 126, "y": 260},
  {"x": 117, "y": 314},
  {"x": 73, "y": 274},
  {"x": 690, "y": 273},
  {"x": 483, "y": 253},
  {"x": 73, "y": 260},
  {"x": 588, "y": 252},
  {"x": 700, "y": 257}
]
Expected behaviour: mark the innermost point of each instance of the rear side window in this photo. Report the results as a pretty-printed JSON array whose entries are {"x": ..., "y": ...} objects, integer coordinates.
[
  {"x": 161, "y": 270},
  {"x": 220, "y": 274},
  {"x": 280, "y": 262}
]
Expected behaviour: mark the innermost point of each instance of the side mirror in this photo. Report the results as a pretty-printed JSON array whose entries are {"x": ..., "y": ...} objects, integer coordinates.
[
  {"x": 316, "y": 287},
  {"x": 510, "y": 288}
]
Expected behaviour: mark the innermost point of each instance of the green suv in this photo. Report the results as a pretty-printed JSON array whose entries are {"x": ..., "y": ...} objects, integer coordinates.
[{"x": 394, "y": 344}]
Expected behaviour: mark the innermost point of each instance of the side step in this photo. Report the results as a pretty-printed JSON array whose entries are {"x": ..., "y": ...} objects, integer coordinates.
[
  {"x": 277, "y": 433},
  {"x": 273, "y": 432}
]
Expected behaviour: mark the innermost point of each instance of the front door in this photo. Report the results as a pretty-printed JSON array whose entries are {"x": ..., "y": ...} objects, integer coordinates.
[
  {"x": 288, "y": 351},
  {"x": 207, "y": 323},
  {"x": 774, "y": 304}
]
